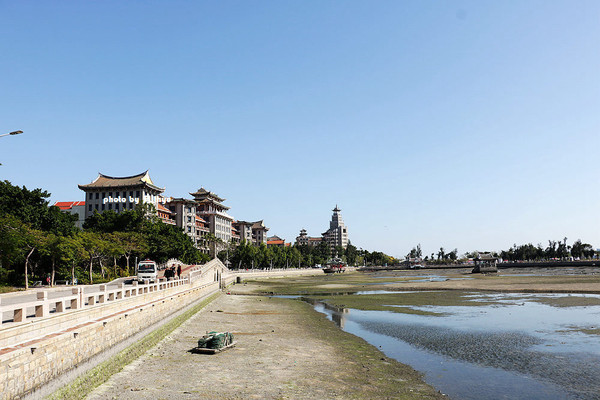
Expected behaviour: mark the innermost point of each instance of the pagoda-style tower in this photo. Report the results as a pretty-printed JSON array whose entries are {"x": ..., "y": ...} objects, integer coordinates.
[
  {"x": 337, "y": 235},
  {"x": 211, "y": 209}
]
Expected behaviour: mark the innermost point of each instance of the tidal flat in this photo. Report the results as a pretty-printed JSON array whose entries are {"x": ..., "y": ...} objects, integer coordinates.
[{"x": 472, "y": 336}]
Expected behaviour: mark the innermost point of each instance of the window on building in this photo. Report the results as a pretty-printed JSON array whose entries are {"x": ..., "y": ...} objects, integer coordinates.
[
  {"x": 90, "y": 207},
  {"x": 97, "y": 195},
  {"x": 137, "y": 193},
  {"x": 103, "y": 207},
  {"x": 110, "y": 206},
  {"x": 91, "y": 196},
  {"x": 117, "y": 207}
]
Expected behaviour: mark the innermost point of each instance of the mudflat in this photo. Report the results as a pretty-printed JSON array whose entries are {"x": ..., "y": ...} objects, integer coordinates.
[{"x": 285, "y": 350}]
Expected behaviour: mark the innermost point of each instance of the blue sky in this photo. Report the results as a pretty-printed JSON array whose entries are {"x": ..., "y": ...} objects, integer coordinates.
[{"x": 463, "y": 124}]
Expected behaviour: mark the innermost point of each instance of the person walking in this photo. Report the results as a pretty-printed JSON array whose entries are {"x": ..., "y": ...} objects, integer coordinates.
[{"x": 179, "y": 271}]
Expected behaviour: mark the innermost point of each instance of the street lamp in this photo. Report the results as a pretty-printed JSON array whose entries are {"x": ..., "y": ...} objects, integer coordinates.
[{"x": 12, "y": 133}]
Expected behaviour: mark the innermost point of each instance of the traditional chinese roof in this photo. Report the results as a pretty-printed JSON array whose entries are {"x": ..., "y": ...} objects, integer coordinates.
[
  {"x": 206, "y": 194},
  {"x": 336, "y": 209},
  {"x": 67, "y": 205},
  {"x": 240, "y": 223},
  {"x": 275, "y": 242},
  {"x": 105, "y": 181},
  {"x": 259, "y": 225},
  {"x": 181, "y": 200},
  {"x": 163, "y": 209}
]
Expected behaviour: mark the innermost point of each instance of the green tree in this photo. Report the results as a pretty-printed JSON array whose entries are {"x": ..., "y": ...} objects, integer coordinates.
[{"x": 31, "y": 207}]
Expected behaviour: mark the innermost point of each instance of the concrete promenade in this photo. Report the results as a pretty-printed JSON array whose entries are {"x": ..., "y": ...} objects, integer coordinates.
[{"x": 65, "y": 329}]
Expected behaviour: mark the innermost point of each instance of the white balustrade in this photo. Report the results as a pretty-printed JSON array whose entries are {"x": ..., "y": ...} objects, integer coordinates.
[{"x": 78, "y": 299}]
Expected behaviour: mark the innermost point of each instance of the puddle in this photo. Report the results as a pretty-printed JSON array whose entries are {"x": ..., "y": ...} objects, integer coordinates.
[{"x": 516, "y": 348}]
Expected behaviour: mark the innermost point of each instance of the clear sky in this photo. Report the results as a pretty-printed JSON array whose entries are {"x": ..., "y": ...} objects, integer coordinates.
[{"x": 463, "y": 124}]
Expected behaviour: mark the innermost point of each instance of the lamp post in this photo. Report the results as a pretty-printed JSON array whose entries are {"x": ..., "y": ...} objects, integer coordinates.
[{"x": 12, "y": 133}]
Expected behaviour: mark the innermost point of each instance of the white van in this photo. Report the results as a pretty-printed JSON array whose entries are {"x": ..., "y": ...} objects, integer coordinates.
[{"x": 147, "y": 271}]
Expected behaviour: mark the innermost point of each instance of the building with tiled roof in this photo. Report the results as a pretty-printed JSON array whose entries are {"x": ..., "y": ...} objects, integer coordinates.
[
  {"x": 252, "y": 232},
  {"x": 276, "y": 241},
  {"x": 166, "y": 216},
  {"x": 259, "y": 232},
  {"x": 304, "y": 240},
  {"x": 73, "y": 207},
  {"x": 210, "y": 208},
  {"x": 120, "y": 193}
]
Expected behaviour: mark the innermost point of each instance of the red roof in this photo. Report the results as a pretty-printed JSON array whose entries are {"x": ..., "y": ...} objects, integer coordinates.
[
  {"x": 163, "y": 209},
  {"x": 275, "y": 242},
  {"x": 67, "y": 205}
]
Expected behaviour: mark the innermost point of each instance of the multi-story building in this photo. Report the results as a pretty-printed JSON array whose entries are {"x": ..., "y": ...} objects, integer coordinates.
[
  {"x": 202, "y": 230},
  {"x": 259, "y": 233},
  {"x": 244, "y": 230},
  {"x": 166, "y": 216},
  {"x": 73, "y": 207},
  {"x": 337, "y": 234},
  {"x": 304, "y": 240},
  {"x": 185, "y": 216},
  {"x": 276, "y": 241},
  {"x": 252, "y": 232},
  {"x": 210, "y": 208},
  {"x": 120, "y": 193}
]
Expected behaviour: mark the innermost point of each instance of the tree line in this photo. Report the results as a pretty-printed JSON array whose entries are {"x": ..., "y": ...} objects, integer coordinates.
[
  {"x": 248, "y": 256},
  {"x": 37, "y": 240},
  {"x": 555, "y": 250}
]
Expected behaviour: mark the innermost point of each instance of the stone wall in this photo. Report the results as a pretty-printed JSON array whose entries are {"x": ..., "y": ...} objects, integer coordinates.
[{"x": 29, "y": 365}]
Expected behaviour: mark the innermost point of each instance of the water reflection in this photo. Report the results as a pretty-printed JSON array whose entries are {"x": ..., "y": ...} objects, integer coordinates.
[{"x": 513, "y": 349}]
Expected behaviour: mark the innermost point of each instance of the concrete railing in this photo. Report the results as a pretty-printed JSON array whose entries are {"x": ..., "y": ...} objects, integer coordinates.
[{"x": 43, "y": 306}]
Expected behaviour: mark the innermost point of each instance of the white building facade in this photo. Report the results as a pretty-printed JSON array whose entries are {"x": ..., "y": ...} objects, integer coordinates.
[{"x": 337, "y": 234}]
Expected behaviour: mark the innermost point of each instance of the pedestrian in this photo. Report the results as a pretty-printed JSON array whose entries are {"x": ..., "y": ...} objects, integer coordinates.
[
  {"x": 48, "y": 280},
  {"x": 179, "y": 271}
]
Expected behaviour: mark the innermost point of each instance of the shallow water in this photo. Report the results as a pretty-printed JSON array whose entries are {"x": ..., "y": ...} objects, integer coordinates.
[{"x": 515, "y": 348}]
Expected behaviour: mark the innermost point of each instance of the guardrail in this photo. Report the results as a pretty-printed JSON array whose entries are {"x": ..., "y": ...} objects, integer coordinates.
[{"x": 43, "y": 306}]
